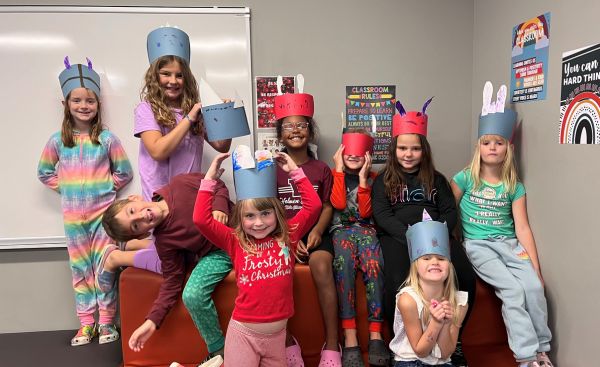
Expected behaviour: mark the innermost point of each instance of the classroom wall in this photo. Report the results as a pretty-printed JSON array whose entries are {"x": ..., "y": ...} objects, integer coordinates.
[
  {"x": 561, "y": 180},
  {"x": 424, "y": 47}
]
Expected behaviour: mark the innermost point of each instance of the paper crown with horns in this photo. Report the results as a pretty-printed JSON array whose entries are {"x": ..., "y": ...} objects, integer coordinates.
[
  {"x": 293, "y": 104},
  {"x": 358, "y": 143},
  {"x": 222, "y": 120},
  {"x": 168, "y": 41},
  {"x": 428, "y": 237},
  {"x": 411, "y": 122},
  {"x": 494, "y": 118},
  {"x": 253, "y": 179},
  {"x": 78, "y": 76}
]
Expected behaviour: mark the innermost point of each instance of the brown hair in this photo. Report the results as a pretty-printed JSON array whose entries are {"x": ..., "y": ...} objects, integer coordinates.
[
  {"x": 154, "y": 94},
  {"x": 111, "y": 225},
  {"x": 68, "y": 125},
  {"x": 394, "y": 177}
]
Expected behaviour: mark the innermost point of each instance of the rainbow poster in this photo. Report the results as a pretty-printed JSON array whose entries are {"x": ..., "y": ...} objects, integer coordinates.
[
  {"x": 580, "y": 96},
  {"x": 362, "y": 101},
  {"x": 529, "y": 66}
]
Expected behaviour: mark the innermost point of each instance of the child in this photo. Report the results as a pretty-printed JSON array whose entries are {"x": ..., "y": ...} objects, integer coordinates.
[
  {"x": 356, "y": 246},
  {"x": 86, "y": 164},
  {"x": 260, "y": 244},
  {"x": 295, "y": 129},
  {"x": 497, "y": 236},
  {"x": 179, "y": 244},
  {"x": 408, "y": 184},
  {"x": 429, "y": 309}
]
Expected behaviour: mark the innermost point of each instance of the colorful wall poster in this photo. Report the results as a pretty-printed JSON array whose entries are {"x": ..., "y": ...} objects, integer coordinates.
[
  {"x": 266, "y": 90},
  {"x": 580, "y": 96},
  {"x": 530, "y": 45},
  {"x": 366, "y": 100}
]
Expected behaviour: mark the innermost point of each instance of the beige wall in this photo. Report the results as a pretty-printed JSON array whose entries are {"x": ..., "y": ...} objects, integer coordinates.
[{"x": 562, "y": 180}]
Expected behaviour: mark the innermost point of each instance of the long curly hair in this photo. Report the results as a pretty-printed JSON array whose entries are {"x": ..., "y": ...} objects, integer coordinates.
[
  {"x": 155, "y": 95},
  {"x": 68, "y": 125}
]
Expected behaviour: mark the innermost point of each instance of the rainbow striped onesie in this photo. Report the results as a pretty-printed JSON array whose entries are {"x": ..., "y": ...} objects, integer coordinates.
[{"x": 87, "y": 177}]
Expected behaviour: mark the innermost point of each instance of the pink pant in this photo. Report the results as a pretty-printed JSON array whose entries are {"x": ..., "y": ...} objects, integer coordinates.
[{"x": 248, "y": 348}]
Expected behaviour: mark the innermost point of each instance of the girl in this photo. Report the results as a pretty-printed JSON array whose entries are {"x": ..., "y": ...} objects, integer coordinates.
[
  {"x": 497, "y": 236},
  {"x": 295, "y": 129},
  {"x": 86, "y": 164},
  {"x": 408, "y": 184},
  {"x": 261, "y": 243},
  {"x": 429, "y": 309},
  {"x": 357, "y": 247}
]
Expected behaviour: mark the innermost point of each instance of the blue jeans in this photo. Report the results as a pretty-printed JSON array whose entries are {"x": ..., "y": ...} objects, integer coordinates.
[{"x": 420, "y": 364}]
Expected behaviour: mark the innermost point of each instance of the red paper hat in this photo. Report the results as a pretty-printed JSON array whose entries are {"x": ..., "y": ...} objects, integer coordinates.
[
  {"x": 357, "y": 144},
  {"x": 411, "y": 122},
  {"x": 294, "y": 104}
]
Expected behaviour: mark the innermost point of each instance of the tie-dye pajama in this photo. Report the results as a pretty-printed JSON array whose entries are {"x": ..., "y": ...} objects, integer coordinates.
[{"x": 87, "y": 177}]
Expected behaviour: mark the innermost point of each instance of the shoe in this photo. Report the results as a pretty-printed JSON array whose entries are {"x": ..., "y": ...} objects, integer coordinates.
[
  {"x": 84, "y": 335},
  {"x": 215, "y": 361},
  {"x": 105, "y": 280},
  {"x": 352, "y": 357},
  {"x": 108, "y": 333},
  {"x": 458, "y": 358},
  {"x": 210, "y": 356},
  {"x": 293, "y": 354},
  {"x": 531, "y": 364},
  {"x": 543, "y": 360},
  {"x": 330, "y": 358},
  {"x": 379, "y": 354}
]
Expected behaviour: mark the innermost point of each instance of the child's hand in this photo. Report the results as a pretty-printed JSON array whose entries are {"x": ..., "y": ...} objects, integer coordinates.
[
  {"x": 195, "y": 112},
  {"x": 219, "y": 216},
  {"x": 437, "y": 311},
  {"x": 301, "y": 252},
  {"x": 363, "y": 175},
  {"x": 141, "y": 335},
  {"x": 215, "y": 171},
  {"x": 338, "y": 159},
  {"x": 285, "y": 162},
  {"x": 313, "y": 240},
  {"x": 448, "y": 313}
]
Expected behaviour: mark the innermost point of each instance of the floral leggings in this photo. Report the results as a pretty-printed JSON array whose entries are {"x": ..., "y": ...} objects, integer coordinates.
[{"x": 357, "y": 248}]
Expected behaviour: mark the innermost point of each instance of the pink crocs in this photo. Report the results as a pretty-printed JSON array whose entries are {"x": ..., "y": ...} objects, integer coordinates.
[
  {"x": 330, "y": 358},
  {"x": 293, "y": 354}
]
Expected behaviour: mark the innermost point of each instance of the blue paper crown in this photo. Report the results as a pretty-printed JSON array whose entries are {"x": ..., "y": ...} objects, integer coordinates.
[
  {"x": 79, "y": 76},
  {"x": 223, "y": 121},
  {"x": 498, "y": 123},
  {"x": 168, "y": 41},
  {"x": 257, "y": 182},
  {"x": 428, "y": 238}
]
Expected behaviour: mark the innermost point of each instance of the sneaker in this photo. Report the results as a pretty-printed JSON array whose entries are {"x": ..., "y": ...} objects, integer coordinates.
[
  {"x": 108, "y": 333},
  {"x": 105, "y": 280},
  {"x": 84, "y": 335},
  {"x": 215, "y": 361},
  {"x": 543, "y": 360},
  {"x": 210, "y": 356},
  {"x": 458, "y": 358}
]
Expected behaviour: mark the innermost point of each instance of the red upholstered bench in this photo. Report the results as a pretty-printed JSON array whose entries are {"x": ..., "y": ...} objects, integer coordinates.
[{"x": 484, "y": 338}]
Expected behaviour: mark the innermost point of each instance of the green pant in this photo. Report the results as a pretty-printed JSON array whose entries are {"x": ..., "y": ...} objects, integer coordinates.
[{"x": 211, "y": 269}]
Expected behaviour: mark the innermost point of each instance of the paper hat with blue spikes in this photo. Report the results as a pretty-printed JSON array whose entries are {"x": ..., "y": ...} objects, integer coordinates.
[
  {"x": 428, "y": 237},
  {"x": 411, "y": 122},
  {"x": 253, "y": 179},
  {"x": 78, "y": 76},
  {"x": 168, "y": 41},
  {"x": 222, "y": 120},
  {"x": 494, "y": 119}
]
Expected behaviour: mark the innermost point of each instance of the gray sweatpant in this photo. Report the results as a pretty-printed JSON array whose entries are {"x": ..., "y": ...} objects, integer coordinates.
[{"x": 504, "y": 264}]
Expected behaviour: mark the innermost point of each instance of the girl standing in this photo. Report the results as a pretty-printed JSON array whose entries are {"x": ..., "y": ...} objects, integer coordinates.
[
  {"x": 497, "y": 235},
  {"x": 86, "y": 165},
  {"x": 261, "y": 243}
]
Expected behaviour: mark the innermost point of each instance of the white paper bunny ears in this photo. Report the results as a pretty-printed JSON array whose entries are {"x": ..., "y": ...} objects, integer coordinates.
[{"x": 494, "y": 118}]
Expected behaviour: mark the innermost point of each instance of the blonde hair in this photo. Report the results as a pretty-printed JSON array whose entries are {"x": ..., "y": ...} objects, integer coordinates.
[
  {"x": 281, "y": 231},
  {"x": 154, "y": 94},
  {"x": 449, "y": 292},
  {"x": 68, "y": 125},
  {"x": 508, "y": 175}
]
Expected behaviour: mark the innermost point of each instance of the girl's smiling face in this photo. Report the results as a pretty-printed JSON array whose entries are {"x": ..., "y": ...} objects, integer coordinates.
[
  {"x": 83, "y": 107},
  {"x": 295, "y": 132},
  {"x": 170, "y": 78},
  {"x": 409, "y": 152}
]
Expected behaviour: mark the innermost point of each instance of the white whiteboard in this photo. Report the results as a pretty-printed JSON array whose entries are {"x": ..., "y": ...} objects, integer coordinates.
[{"x": 33, "y": 43}]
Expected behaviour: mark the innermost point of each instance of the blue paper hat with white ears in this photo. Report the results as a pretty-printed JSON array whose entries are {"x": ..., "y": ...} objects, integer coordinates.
[
  {"x": 494, "y": 118},
  {"x": 222, "y": 120},
  {"x": 78, "y": 76},
  {"x": 253, "y": 178},
  {"x": 168, "y": 41},
  {"x": 428, "y": 237}
]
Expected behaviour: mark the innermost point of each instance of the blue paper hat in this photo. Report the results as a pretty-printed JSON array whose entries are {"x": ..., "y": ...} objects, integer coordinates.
[
  {"x": 494, "y": 118},
  {"x": 224, "y": 121},
  {"x": 78, "y": 76},
  {"x": 259, "y": 181},
  {"x": 428, "y": 238},
  {"x": 168, "y": 41}
]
